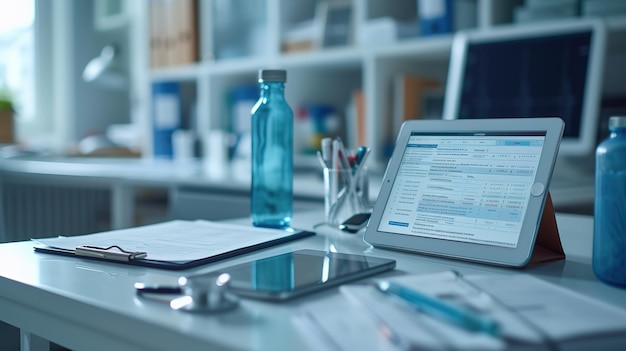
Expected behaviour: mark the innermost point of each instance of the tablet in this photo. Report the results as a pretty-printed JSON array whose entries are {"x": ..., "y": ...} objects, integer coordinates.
[
  {"x": 467, "y": 189},
  {"x": 301, "y": 272}
]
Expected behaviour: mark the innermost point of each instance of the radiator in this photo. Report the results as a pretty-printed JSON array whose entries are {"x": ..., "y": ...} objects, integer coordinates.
[{"x": 31, "y": 210}]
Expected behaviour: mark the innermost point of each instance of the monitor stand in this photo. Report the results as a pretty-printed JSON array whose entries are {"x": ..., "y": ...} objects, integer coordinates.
[{"x": 573, "y": 182}]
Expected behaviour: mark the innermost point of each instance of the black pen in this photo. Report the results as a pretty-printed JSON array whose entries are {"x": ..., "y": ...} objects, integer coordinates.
[{"x": 142, "y": 288}]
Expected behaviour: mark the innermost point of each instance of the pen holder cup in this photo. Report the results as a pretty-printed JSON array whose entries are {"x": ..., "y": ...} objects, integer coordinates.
[{"x": 345, "y": 194}]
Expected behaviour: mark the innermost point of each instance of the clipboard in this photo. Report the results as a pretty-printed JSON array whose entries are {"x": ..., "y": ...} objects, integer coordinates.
[{"x": 137, "y": 247}]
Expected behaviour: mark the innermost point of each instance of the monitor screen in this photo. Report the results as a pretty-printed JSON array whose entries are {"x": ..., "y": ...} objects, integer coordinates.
[{"x": 531, "y": 71}]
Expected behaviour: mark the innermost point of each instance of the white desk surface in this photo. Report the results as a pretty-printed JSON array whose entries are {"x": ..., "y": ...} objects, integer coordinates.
[
  {"x": 89, "y": 305},
  {"x": 129, "y": 173}
]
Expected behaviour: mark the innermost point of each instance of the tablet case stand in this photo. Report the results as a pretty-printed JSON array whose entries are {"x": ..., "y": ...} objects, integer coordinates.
[{"x": 548, "y": 242}]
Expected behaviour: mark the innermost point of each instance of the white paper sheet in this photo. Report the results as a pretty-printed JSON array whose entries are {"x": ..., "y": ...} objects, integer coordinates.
[
  {"x": 175, "y": 240},
  {"x": 416, "y": 330},
  {"x": 341, "y": 326},
  {"x": 531, "y": 312},
  {"x": 560, "y": 313}
]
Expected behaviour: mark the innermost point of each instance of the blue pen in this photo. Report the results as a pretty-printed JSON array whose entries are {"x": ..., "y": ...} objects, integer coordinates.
[
  {"x": 433, "y": 307},
  {"x": 360, "y": 153}
]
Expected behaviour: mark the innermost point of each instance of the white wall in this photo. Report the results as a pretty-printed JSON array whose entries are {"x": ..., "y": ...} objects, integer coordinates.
[
  {"x": 96, "y": 106},
  {"x": 67, "y": 107}
]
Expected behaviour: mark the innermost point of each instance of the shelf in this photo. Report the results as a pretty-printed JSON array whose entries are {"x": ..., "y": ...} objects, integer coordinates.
[
  {"x": 330, "y": 76},
  {"x": 238, "y": 66},
  {"x": 178, "y": 73},
  {"x": 340, "y": 57},
  {"x": 437, "y": 47},
  {"x": 348, "y": 57},
  {"x": 616, "y": 23}
]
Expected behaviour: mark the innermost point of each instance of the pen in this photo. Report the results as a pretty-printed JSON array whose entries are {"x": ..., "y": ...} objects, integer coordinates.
[
  {"x": 433, "y": 307},
  {"x": 342, "y": 155},
  {"x": 360, "y": 153},
  {"x": 142, "y": 288},
  {"x": 320, "y": 158},
  {"x": 327, "y": 151}
]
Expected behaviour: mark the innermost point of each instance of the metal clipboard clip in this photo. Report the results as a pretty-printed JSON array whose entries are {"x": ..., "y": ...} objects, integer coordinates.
[{"x": 108, "y": 253}]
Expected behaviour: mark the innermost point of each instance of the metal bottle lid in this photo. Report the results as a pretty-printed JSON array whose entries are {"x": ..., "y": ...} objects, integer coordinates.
[
  {"x": 272, "y": 75},
  {"x": 617, "y": 122}
]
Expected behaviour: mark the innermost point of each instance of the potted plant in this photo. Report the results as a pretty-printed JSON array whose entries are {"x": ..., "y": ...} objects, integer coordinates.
[{"x": 6, "y": 118}]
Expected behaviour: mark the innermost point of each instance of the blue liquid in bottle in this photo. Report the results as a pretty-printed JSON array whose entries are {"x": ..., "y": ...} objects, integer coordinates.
[
  {"x": 272, "y": 153},
  {"x": 609, "y": 239}
]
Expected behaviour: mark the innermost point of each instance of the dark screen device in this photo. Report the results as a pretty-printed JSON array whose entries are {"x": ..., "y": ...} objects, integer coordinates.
[
  {"x": 354, "y": 223},
  {"x": 301, "y": 272},
  {"x": 551, "y": 69}
]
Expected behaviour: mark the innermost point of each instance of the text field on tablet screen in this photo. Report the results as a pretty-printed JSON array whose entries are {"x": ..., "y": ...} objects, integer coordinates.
[{"x": 469, "y": 187}]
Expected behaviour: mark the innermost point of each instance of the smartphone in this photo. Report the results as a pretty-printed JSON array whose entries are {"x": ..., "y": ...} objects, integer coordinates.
[
  {"x": 301, "y": 272},
  {"x": 355, "y": 223}
]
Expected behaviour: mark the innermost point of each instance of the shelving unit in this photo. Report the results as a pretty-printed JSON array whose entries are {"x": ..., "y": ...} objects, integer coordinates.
[{"x": 231, "y": 53}]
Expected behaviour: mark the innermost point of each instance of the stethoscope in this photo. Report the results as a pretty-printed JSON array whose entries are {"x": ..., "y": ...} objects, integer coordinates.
[{"x": 202, "y": 293}]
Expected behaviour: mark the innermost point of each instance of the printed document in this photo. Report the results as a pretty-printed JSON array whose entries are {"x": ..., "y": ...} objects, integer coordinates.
[
  {"x": 176, "y": 240},
  {"x": 532, "y": 313}
]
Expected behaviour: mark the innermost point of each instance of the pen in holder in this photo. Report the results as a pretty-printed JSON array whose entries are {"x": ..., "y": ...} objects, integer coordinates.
[{"x": 346, "y": 193}]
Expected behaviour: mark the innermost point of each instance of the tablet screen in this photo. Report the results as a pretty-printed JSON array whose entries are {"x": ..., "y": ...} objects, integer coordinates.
[
  {"x": 467, "y": 187},
  {"x": 301, "y": 272}
]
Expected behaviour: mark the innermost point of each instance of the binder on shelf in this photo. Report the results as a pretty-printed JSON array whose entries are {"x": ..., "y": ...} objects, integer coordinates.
[
  {"x": 173, "y": 32},
  {"x": 361, "y": 123},
  {"x": 156, "y": 37},
  {"x": 167, "y": 116},
  {"x": 408, "y": 91},
  {"x": 173, "y": 245},
  {"x": 446, "y": 16},
  {"x": 435, "y": 16},
  {"x": 355, "y": 125},
  {"x": 186, "y": 43},
  {"x": 182, "y": 32}
]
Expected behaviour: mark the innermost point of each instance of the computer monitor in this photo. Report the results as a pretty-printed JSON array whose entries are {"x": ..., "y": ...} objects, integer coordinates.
[{"x": 531, "y": 70}]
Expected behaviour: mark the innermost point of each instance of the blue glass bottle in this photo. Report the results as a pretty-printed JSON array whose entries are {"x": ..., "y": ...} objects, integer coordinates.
[
  {"x": 272, "y": 153},
  {"x": 609, "y": 239}
]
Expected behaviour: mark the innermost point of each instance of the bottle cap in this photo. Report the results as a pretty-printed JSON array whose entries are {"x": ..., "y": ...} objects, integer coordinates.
[
  {"x": 272, "y": 75},
  {"x": 617, "y": 122}
]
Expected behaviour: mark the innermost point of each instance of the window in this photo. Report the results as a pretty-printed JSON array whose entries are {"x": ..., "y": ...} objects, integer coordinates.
[{"x": 17, "y": 55}]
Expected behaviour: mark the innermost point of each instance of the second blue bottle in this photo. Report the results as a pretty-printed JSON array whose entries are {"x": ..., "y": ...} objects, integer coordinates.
[{"x": 272, "y": 153}]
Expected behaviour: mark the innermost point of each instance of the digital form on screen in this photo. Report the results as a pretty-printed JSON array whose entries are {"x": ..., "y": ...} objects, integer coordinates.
[{"x": 469, "y": 187}]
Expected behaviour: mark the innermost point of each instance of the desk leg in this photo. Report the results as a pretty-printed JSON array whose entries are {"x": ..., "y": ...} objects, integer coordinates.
[
  {"x": 32, "y": 342},
  {"x": 122, "y": 206}
]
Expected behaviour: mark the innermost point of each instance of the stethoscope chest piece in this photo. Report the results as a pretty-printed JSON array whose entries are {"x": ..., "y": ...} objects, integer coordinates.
[{"x": 205, "y": 294}]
